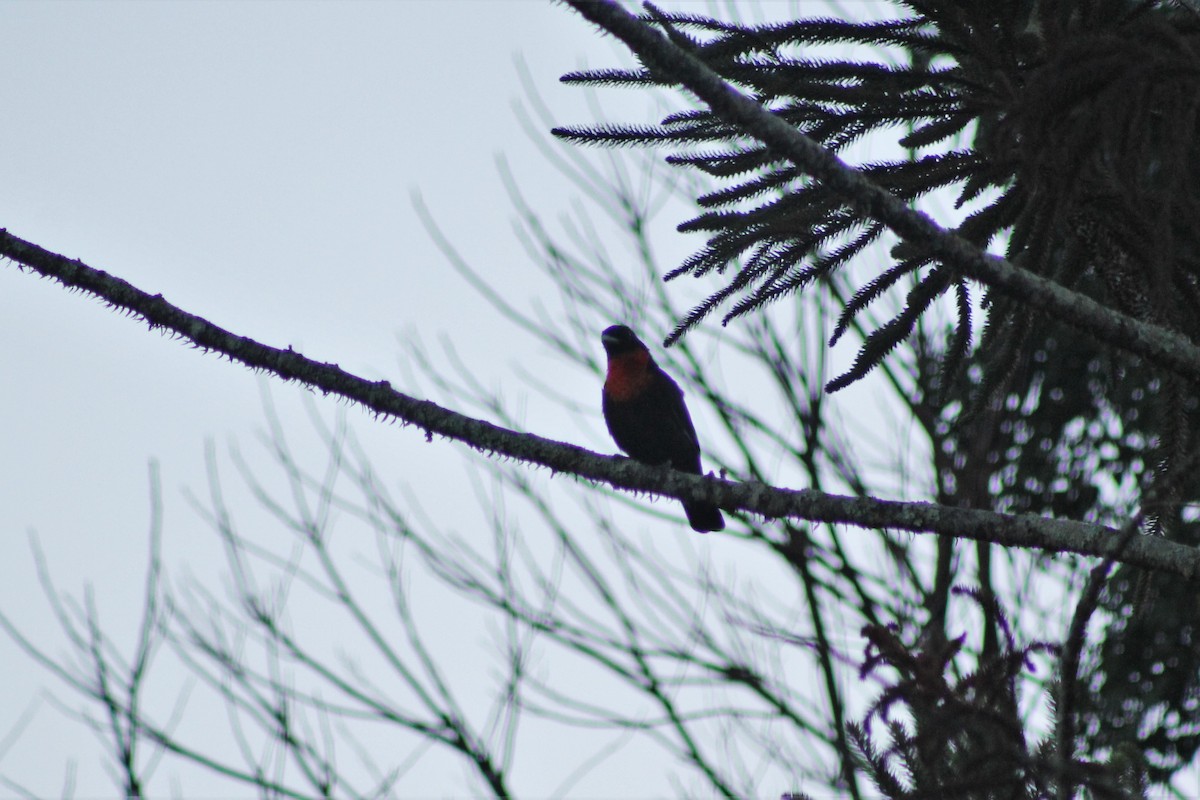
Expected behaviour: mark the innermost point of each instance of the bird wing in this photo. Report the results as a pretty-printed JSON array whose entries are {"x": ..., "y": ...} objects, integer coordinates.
[{"x": 677, "y": 422}]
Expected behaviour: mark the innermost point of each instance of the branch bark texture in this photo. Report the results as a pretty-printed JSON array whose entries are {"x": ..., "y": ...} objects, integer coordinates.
[
  {"x": 671, "y": 63},
  {"x": 758, "y": 498}
]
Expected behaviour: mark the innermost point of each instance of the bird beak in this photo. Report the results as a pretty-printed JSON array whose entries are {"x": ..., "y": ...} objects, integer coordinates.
[{"x": 608, "y": 338}]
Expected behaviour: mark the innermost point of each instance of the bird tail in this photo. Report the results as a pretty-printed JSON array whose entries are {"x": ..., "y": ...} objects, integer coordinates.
[{"x": 704, "y": 517}]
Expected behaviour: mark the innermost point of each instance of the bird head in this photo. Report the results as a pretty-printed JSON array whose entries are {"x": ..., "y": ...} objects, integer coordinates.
[{"x": 619, "y": 340}]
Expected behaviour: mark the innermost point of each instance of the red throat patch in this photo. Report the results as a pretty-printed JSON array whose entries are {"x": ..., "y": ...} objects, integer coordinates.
[{"x": 628, "y": 375}]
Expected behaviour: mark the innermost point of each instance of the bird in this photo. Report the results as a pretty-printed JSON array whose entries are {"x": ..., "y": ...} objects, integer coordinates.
[{"x": 648, "y": 419}]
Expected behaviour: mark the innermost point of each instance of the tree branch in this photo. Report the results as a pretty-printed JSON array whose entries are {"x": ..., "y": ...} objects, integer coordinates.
[
  {"x": 760, "y": 498},
  {"x": 667, "y": 61}
]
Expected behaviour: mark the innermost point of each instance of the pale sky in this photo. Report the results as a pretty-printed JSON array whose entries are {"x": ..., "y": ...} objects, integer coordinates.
[{"x": 254, "y": 163}]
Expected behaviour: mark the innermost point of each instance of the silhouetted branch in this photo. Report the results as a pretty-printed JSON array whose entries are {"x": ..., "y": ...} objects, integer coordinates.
[
  {"x": 668, "y": 61},
  {"x": 623, "y": 473}
]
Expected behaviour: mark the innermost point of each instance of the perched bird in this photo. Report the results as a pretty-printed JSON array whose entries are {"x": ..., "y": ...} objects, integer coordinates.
[{"x": 646, "y": 415}]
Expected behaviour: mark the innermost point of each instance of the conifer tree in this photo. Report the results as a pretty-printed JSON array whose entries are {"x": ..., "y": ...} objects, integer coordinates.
[{"x": 1066, "y": 134}]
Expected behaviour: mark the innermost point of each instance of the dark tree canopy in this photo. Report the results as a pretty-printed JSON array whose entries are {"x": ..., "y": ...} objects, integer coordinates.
[
  {"x": 1065, "y": 133},
  {"x": 1071, "y": 123}
]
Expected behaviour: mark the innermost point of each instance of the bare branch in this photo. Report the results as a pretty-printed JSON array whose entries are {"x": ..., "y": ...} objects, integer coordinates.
[{"x": 622, "y": 473}]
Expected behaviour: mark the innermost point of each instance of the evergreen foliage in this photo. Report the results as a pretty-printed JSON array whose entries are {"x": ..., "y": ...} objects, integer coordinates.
[
  {"x": 1078, "y": 122},
  {"x": 1067, "y": 133}
]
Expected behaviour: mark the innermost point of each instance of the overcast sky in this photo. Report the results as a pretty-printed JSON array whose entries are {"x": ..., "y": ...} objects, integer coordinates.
[{"x": 255, "y": 164}]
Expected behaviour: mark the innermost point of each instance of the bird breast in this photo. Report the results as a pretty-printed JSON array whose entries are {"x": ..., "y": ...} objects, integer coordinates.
[{"x": 628, "y": 375}]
